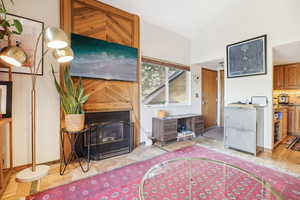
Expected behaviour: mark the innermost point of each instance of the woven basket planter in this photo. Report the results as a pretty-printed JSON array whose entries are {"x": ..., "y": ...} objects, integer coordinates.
[{"x": 74, "y": 122}]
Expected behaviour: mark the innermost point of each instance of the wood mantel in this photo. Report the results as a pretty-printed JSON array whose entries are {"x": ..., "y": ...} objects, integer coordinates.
[{"x": 98, "y": 20}]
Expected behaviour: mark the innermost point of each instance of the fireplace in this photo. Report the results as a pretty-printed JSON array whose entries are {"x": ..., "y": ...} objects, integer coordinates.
[{"x": 111, "y": 134}]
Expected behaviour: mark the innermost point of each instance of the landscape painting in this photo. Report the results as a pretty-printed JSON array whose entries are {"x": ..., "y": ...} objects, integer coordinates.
[
  {"x": 103, "y": 60},
  {"x": 247, "y": 58}
]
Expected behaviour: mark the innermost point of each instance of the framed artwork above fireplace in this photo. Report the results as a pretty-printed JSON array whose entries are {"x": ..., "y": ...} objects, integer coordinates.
[{"x": 103, "y": 60}]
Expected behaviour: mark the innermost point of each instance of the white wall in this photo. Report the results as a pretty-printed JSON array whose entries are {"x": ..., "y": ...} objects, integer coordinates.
[
  {"x": 47, "y": 98},
  {"x": 240, "y": 89},
  {"x": 244, "y": 20},
  {"x": 162, "y": 44}
]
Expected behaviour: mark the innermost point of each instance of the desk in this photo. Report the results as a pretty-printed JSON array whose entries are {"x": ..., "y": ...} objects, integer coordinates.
[
  {"x": 166, "y": 129},
  {"x": 5, "y": 173}
]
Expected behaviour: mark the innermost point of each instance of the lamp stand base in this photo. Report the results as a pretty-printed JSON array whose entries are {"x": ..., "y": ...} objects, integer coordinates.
[{"x": 27, "y": 175}]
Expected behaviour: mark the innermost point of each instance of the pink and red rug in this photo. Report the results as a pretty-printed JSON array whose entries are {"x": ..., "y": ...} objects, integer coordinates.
[{"x": 123, "y": 183}]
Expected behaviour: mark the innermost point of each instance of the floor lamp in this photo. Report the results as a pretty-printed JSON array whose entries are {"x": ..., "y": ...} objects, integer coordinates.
[{"x": 56, "y": 41}]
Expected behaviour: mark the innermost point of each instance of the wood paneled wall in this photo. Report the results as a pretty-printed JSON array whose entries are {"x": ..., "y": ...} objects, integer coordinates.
[{"x": 98, "y": 20}]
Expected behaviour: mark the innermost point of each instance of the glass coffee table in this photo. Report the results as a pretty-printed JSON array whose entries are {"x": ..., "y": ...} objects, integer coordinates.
[{"x": 201, "y": 178}]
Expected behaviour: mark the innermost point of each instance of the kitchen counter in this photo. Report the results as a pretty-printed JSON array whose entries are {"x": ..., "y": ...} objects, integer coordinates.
[
  {"x": 284, "y": 105},
  {"x": 280, "y": 109},
  {"x": 277, "y": 107}
]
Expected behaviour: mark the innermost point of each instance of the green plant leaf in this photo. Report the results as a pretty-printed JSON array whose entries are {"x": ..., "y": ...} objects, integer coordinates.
[
  {"x": 17, "y": 33},
  {"x": 68, "y": 82},
  {"x": 71, "y": 95},
  {"x": 18, "y": 26},
  {"x": 5, "y": 23},
  {"x": 84, "y": 99}
]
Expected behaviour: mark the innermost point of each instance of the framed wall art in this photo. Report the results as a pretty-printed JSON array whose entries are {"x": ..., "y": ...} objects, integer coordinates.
[
  {"x": 5, "y": 98},
  {"x": 103, "y": 60},
  {"x": 247, "y": 58},
  {"x": 27, "y": 40}
]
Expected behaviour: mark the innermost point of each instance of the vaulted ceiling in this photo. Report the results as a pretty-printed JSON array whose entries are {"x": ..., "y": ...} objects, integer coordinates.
[
  {"x": 212, "y": 24},
  {"x": 186, "y": 17}
]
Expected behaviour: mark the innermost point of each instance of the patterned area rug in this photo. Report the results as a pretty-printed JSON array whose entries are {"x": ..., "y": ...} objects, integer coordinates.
[
  {"x": 123, "y": 183},
  {"x": 293, "y": 143}
]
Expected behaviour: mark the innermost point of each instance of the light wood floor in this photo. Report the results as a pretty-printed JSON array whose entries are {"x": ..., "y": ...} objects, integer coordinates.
[{"x": 281, "y": 158}]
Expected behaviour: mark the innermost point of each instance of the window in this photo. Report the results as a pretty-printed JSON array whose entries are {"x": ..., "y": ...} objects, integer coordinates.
[{"x": 164, "y": 83}]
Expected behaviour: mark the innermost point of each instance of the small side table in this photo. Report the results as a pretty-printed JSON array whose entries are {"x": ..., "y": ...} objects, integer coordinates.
[{"x": 73, "y": 139}]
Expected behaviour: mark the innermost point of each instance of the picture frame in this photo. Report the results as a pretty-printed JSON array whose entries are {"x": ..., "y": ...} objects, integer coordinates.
[
  {"x": 247, "y": 58},
  {"x": 103, "y": 60},
  {"x": 31, "y": 30},
  {"x": 6, "y": 99}
]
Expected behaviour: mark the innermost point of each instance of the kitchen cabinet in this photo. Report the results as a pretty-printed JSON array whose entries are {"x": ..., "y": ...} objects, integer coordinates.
[
  {"x": 278, "y": 77},
  {"x": 286, "y": 76},
  {"x": 291, "y": 119},
  {"x": 292, "y": 76},
  {"x": 294, "y": 120},
  {"x": 284, "y": 124},
  {"x": 297, "y": 121}
]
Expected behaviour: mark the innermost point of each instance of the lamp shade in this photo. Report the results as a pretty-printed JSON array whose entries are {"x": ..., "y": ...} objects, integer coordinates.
[
  {"x": 56, "y": 38},
  {"x": 63, "y": 55},
  {"x": 13, "y": 55}
]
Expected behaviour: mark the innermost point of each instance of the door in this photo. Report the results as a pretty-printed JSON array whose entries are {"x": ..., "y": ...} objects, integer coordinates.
[
  {"x": 209, "y": 97},
  {"x": 222, "y": 97}
]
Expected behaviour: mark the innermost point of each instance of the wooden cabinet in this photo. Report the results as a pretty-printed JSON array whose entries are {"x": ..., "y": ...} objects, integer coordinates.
[
  {"x": 294, "y": 120},
  {"x": 286, "y": 77},
  {"x": 297, "y": 120},
  {"x": 198, "y": 125},
  {"x": 284, "y": 124},
  {"x": 292, "y": 76},
  {"x": 278, "y": 77},
  {"x": 291, "y": 119},
  {"x": 165, "y": 129}
]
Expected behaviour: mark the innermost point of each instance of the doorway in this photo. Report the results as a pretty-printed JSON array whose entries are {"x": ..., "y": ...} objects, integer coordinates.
[{"x": 209, "y": 97}]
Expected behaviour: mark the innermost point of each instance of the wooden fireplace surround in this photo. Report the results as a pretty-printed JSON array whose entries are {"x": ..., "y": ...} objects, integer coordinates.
[{"x": 98, "y": 20}]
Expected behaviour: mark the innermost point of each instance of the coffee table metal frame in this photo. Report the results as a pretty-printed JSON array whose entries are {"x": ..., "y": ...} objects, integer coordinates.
[{"x": 265, "y": 184}]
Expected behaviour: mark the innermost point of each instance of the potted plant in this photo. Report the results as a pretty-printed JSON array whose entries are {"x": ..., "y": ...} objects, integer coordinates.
[
  {"x": 8, "y": 27},
  {"x": 72, "y": 98}
]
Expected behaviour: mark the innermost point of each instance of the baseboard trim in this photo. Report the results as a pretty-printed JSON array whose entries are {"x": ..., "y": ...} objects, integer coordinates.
[{"x": 209, "y": 128}]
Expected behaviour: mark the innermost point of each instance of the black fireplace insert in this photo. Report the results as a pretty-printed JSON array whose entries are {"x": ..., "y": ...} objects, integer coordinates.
[{"x": 111, "y": 134}]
